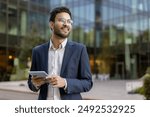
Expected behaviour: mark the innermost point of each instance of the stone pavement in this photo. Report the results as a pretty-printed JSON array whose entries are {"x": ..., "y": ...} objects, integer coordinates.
[
  {"x": 112, "y": 90},
  {"x": 103, "y": 90}
]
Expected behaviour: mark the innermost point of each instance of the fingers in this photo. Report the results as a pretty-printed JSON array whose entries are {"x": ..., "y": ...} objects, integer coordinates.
[
  {"x": 53, "y": 80},
  {"x": 37, "y": 78},
  {"x": 38, "y": 81},
  {"x": 56, "y": 81}
]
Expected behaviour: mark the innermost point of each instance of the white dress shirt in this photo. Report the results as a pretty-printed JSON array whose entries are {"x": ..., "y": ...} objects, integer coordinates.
[{"x": 55, "y": 58}]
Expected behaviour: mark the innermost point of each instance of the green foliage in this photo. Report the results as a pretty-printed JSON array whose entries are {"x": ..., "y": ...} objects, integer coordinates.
[
  {"x": 140, "y": 90},
  {"x": 27, "y": 43},
  {"x": 146, "y": 87}
]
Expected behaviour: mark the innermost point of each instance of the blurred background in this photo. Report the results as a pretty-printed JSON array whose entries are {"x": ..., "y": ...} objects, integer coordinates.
[{"x": 116, "y": 33}]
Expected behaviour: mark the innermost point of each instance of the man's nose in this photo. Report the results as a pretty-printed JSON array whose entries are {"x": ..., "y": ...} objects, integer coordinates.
[{"x": 65, "y": 24}]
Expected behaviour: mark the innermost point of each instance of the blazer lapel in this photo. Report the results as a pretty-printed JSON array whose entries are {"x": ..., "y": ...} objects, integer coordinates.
[
  {"x": 46, "y": 57},
  {"x": 67, "y": 54}
]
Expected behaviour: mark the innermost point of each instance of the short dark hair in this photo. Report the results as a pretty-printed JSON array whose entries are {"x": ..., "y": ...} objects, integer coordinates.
[{"x": 57, "y": 10}]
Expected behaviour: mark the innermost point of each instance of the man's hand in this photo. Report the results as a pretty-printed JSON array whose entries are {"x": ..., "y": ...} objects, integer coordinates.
[
  {"x": 56, "y": 81},
  {"x": 38, "y": 81}
]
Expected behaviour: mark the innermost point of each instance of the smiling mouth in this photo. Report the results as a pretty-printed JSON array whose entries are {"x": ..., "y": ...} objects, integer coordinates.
[{"x": 65, "y": 30}]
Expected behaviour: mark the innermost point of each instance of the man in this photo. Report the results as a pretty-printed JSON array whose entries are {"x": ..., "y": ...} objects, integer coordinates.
[{"x": 66, "y": 62}]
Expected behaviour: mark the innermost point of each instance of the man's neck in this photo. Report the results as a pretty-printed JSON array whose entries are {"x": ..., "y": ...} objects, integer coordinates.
[{"x": 56, "y": 42}]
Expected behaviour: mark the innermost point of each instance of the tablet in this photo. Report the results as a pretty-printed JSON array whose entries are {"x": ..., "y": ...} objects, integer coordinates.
[{"x": 38, "y": 73}]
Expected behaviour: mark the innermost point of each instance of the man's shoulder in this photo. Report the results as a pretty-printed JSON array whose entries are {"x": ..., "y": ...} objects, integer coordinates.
[{"x": 76, "y": 44}]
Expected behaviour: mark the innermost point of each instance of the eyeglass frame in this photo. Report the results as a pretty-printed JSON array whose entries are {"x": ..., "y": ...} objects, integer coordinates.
[{"x": 63, "y": 20}]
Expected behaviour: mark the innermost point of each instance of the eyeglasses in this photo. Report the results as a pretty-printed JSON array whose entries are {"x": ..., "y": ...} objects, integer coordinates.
[{"x": 63, "y": 20}]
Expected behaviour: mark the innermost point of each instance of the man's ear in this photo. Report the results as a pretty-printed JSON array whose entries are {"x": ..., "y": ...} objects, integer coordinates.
[{"x": 51, "y": 25}]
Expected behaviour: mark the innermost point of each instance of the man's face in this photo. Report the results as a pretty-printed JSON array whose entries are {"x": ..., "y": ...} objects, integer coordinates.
[{"x": 62, "y": 25}]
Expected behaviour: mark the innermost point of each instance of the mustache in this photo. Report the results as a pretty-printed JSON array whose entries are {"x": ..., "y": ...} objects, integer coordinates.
[{"x": 65, "y": 26}]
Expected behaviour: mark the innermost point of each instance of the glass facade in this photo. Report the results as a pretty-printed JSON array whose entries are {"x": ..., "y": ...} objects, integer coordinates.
[
  {"x": 18, "y": 19},
  {"x": 116, "y": 32}
]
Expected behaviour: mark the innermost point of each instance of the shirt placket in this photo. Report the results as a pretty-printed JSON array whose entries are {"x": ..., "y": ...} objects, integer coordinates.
[{"x": 56, "y": 90}]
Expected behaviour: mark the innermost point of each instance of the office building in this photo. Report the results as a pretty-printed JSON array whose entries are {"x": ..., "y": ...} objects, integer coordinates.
[{"x": 116, "y": 32}]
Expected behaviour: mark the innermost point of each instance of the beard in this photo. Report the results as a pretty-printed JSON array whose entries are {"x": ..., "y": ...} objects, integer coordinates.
[{"x": 60, "y": 33}]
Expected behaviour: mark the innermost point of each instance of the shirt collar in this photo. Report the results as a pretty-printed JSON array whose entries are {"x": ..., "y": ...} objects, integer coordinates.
[{"x": 62, "y": 45}]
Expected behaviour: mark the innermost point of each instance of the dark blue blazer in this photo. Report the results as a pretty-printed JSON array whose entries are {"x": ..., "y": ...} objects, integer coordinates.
[{"x": 75, "y": 68}]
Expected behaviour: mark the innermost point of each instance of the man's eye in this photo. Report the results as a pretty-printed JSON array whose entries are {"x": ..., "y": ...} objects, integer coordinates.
[
  {"x": 62, "y": 20},
  {"x": 70, "y": 21}
]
